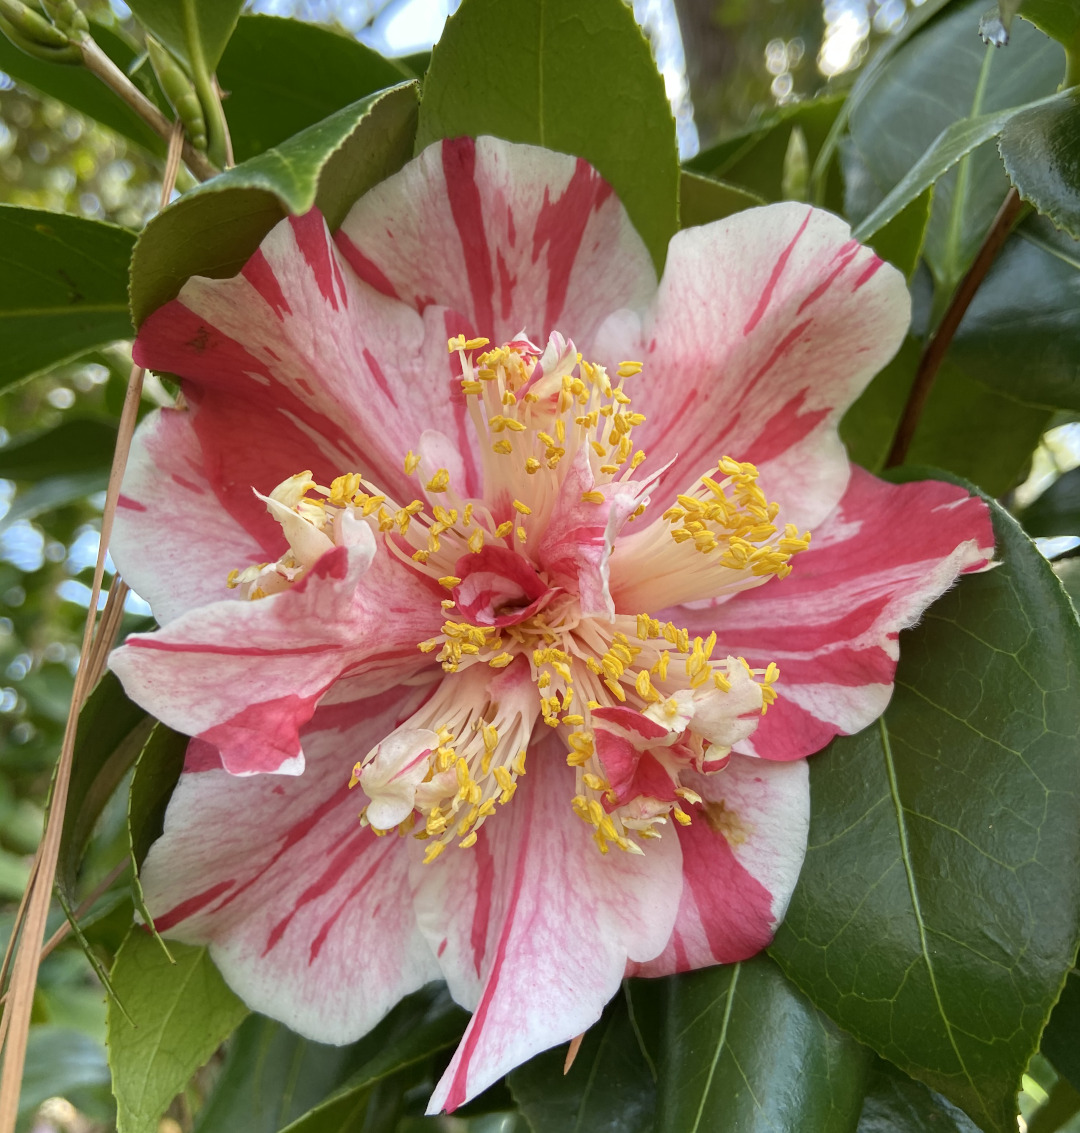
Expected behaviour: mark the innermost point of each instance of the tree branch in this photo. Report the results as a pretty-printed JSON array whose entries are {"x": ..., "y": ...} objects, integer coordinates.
[{"x": 934, "y": 352}]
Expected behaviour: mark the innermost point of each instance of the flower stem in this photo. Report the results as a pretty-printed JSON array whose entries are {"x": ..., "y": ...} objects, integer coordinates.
[
  {"x": 938, "y": 343},
  {"x": 107, "y": 71}
]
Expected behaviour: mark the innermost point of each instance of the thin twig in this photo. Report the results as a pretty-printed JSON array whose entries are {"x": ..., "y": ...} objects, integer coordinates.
[
  {"x": 15, "y": 1026},
  {"x": 101, "y": 65},
  {"x": 85, "y": 906},
  {"x": 934, "y": 352}
]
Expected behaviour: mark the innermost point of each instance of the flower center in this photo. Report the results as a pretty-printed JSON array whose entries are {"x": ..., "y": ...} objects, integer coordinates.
[{"x": 532, "y": 634}]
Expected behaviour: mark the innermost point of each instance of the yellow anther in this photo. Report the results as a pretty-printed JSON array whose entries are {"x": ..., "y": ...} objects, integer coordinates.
[
  {"x": 532, "y": 465},
  {"x": 502, "y": 447},
  {"x": 433, "y": 851},
  {"x": 439, "y": 482},
  {"x": 449, "y": 581},
  {"x": 412, "y": 462},
  {"x": 522, "y": 534},
  {"x": 523, "y": 508},
  {"x": 628, "y": 369},
  {"x": 504, "y": 529},
  {"x": 455, "y": 343},
  {"x": 476, "y": 343}
]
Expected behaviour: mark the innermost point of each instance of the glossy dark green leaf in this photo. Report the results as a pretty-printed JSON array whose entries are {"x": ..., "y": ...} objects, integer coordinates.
[
  {"x": 1021, "y": 334},
  {"x": 271, "y": 1077},
  {"x": 966, "y": 427},
  {"x": 895, "y": 1103},
  {"x": 582, "y": 81},
  {"x": 703, "y": 200},
  {"x": 179, "y": 1014},
  {"x": 1041, "y": 151},
  {"x": 421, "y": 1026},
  {"x": 63, "y": 288},
  {"x": 1061, "y": 1039},
  {"x": 754, "y": 160},
  {"x": 937, "y": 912},
  {"x": 283, "y": 76},
  {"x": 1057, "y": 510},
  {"x": 1058, "y": 18},
  {"x": 900, "y": 242},
  {"x": 77, "y": 444},
  {"x": 82, "y": 90},
  {"x": 611, "y": 1087},
  {"x": 190, "y": 28},
  {"x": 741, "y": 1049},
  {"x": 945, "y": 79},
  {"x": 215, "y": 228}
]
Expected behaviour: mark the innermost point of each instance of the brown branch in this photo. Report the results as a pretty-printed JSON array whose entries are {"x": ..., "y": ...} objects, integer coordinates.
[{"x": 934, "y": 352}]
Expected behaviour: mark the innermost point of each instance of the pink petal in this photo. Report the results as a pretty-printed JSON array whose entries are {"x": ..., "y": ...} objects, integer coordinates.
[
  {"x": 766, "y": 327},
  {"x": 741, "y": 857},
  {"x": 296, "y": 364},
  {"x": 576, "y": 545},
  {"x": 305, "y": 912},
  {"x": 246, "y": 676},
  {"x": 512, "y": 236},
  {"x": 872, "y": 568},
  {"x": 172, "y": 541},
  {"x": 533, "y": 926}
]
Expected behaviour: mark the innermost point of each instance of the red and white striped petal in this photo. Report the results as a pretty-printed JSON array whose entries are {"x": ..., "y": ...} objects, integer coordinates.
[
  {"x": 872, "y": 568},
  {"x": 245, "y": 676},
  {"x": 303, "y": 909},
  {"x": 741, "y": 855},
  {"x": 172, "y": 541},
  {"x": 533, "y": 927},
  {"x": 766, "y": 326},
  {"x": 296, "y": 364},
  {"x": 514, "y": 237}
]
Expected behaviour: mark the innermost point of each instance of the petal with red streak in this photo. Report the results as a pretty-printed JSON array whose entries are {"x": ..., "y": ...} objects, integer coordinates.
[
  {"x": 741, "y": 854},
  {"x": 246, "y": 676},
  {"x": 515, "y": 237},
  {"x": 172, "y": 541},
  {"x": 766, "y": 326},
  {"x": 831, "y": 626},
  {"x": 533, "y": 926},
  {"x": 305, "y": 912}
]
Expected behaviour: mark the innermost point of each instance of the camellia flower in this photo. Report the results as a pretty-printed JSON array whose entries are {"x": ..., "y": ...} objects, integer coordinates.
[{"x": 479, "y": 647}]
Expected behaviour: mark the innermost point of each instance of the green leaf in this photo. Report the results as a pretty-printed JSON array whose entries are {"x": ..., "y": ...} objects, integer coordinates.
[
  {"x": 82, "y": 90},
  {"x": 271, "y": 1077},
  {"x": 966, "y": 427},
  {"x": 741, "y": 1049},
  {"x": 582, "y": 80},
  {"x": 941, "y": 96},
  {"x": 1061, "y": 1039},
  {"x": 111, "y": 733},
  {"x": 1021, "y": 334},
  {"x": 421, "y": 1026},
  {"x": 63, "y": 288},
  {"x": 754, "y": 159},
  {"x": 214, "y": 229},
  {"x": 60, "y": 1062},
  {"x": 1061, "y": 20},
  {"x": 900, "y": 242},
  {"x": 76, "y": 445},
  {"x": 611, "y": 1087},
  {"x": 156, "y": 773},
  {"x": 703, "y": 200},
  {"x": 895, "y": 1103},
  {"x": 937, "y": 912},
  {"x": 283, "y": 76},
  {"x": 1041, "y": 151},
  {"x": 1057, "y": 510},
  {"x": 182, "y": 1012},
  {"x": 190, "y": 28}
]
